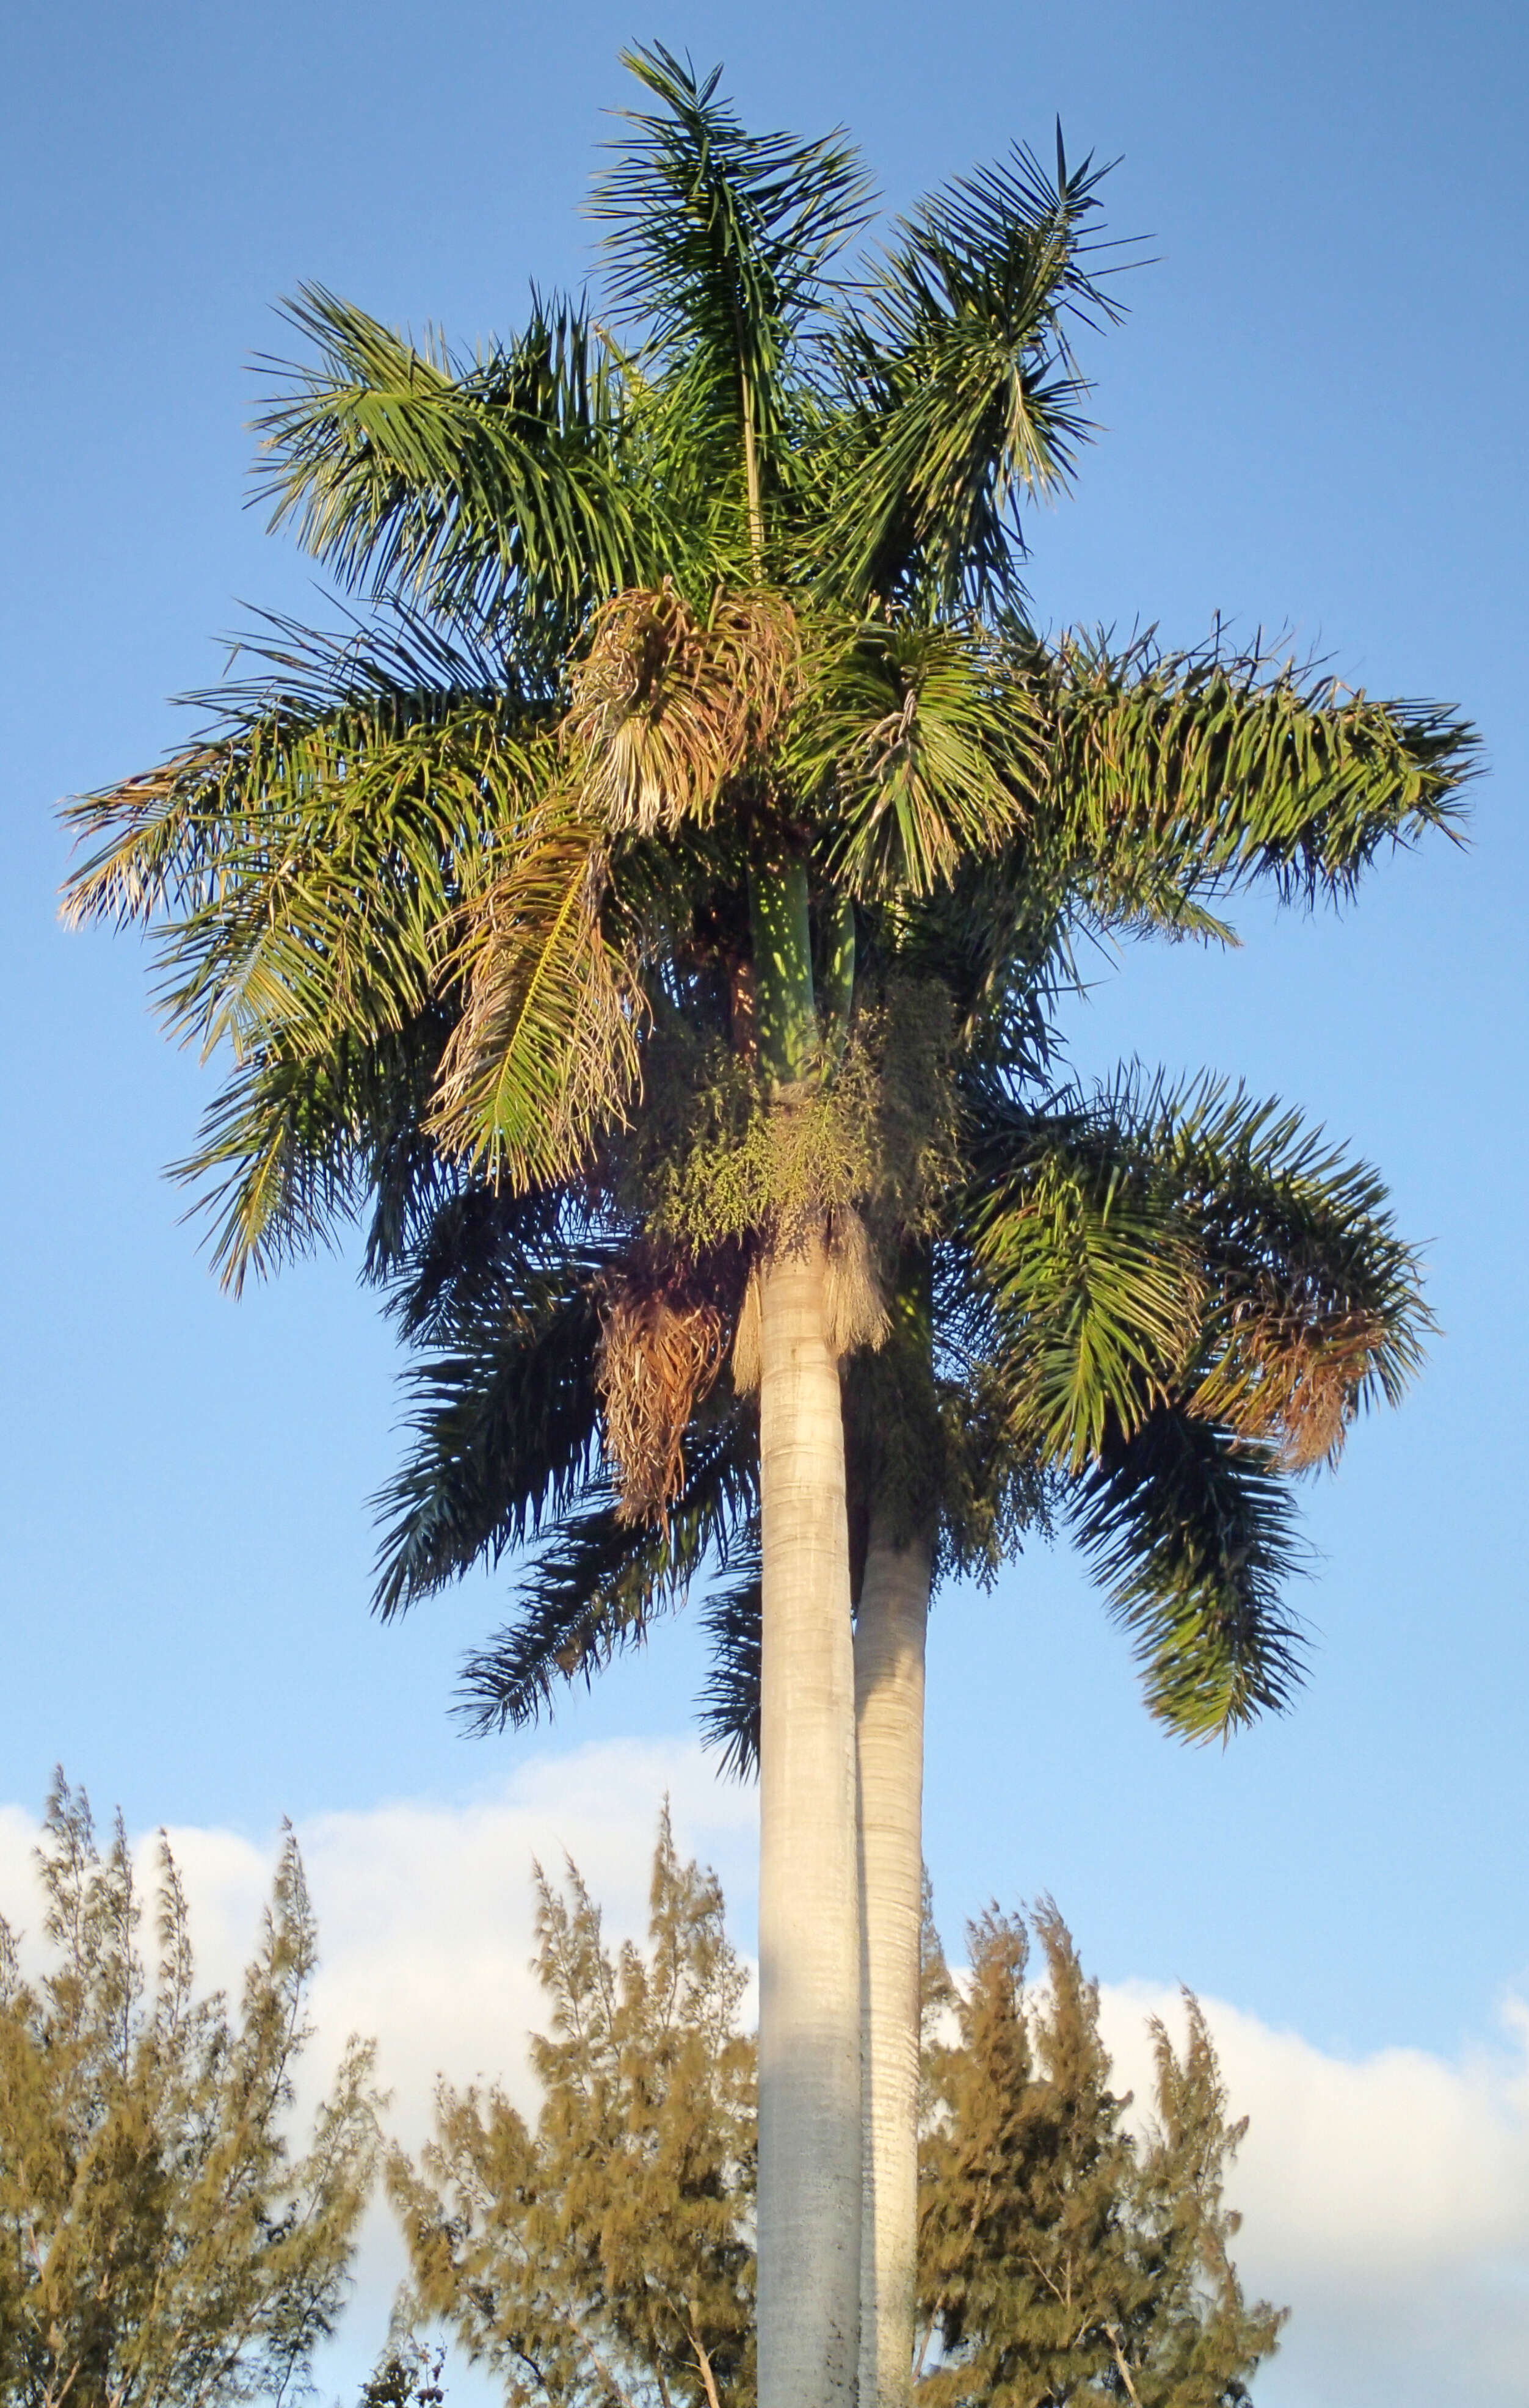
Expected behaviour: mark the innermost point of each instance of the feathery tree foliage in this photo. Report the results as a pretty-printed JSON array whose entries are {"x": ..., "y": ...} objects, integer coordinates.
[
  {"x": 1063, "y": 2257},
  {"x": 604, "y": 2253},
  {"x": 162, "y": 2245}
]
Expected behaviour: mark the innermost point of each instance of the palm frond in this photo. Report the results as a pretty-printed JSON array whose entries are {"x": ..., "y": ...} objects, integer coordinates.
[
  {"x": 486, "y": 489},
  {"x": 718, "y": 241},
  {"x": 1191, "y": 1530},
  {"x": 730, "y": 1701},
  {"x": 1098, "y": 1296},
  {"x": 963, "y": 389},
  {"x": 505, "y": 1431},
  {"x": 920, "y": 746},
  {"x": 590, "y": 1591},
  {"x": 292, "y": 1145},
  {"x": 1315, "y": 1304},
  {"x": 545, "y": 1051},
  {"x": 1171, "y": 773}
]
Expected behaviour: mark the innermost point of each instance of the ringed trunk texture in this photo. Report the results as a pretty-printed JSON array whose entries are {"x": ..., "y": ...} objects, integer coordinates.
[
  {"x": 810, "y": 2176},
  {"x": 890, "y": 1635}
]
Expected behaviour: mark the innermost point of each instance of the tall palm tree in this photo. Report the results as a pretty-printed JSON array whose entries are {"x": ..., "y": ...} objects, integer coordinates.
[{"x": 535, "y": 900}]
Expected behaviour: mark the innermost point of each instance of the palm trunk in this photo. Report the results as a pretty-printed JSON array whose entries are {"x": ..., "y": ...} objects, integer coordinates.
[
  {"x": 809, "y": 2197},
  {"x": 890, "y": 1634}
]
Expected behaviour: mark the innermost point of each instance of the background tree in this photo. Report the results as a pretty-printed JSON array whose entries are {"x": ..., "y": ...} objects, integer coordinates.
[
  {"x": 1062, "y": 2259},
  {"x": 162, "y": 2244},
  {"x": 604, "y": 2253}
]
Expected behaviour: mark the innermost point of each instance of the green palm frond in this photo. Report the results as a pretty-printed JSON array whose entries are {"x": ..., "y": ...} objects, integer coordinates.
[
  {"x": 918, "y": 745},
  {"x": 546, "y": 1051},
  {"x": 729, "y": 1702},
  {"x": 1307, "y": 1305},
  {"x": 506, "y": 1433},
  {"x": 964, "y": 394},
  {"x": 1191, "y": 1533},
  {"x": 591, "y": 1590},
  {"x": 718, "y": 241},
  {"x": 1171, "y": 773},
  {"x": 296, "y": 1140},
  {"x": 1097, "y": 1294},
  {"x": 492, "y": 488},
  {"x": 1314, "y": 1303}
]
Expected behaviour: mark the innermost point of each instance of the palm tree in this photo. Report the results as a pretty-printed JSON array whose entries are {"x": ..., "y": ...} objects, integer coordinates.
[{"x": 531, "y": 907}]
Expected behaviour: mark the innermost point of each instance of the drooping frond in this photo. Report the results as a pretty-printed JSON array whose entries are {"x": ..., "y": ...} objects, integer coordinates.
[
  {"x": 1314, "y": 1303},
  {"x": 486, "y": 489},
  {"x": 1170, "y": 773},
  {"x": 1097, "y": 1290},
  {"x": 1301, "y": 1303},
  {"x": 545, "y": 1051},
  {"x": 1191, "y": 1532},
  {"x": 667, "y": 706},
  {"x": 964, "y": 394},
  {"x": 298, "y": 1138},
  {"x": 506, "y": 1434},
  {"x": 730, "y": 1701},
  {"x": 591, "y": 1590}
]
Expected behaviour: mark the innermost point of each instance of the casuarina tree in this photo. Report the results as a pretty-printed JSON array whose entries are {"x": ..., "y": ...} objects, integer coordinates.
[{"x": 694, "y": 655}]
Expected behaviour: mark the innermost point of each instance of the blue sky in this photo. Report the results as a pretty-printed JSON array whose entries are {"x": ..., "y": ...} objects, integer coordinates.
[{"x": 1311, "y": 421}]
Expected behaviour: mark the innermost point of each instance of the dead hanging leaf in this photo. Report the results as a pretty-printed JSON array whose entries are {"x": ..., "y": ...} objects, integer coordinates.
[
  {"x": 854, "y": 1306},
  {"x": 661, "y": 1347},
  {"x": 667, "y": 706},
  {"x": 1292, "y": 1378}
]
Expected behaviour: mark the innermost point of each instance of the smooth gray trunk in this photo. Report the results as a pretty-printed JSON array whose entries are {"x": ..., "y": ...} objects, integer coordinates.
[
  {"x": 890, "y": 1635},
  {"x": 809, "y": 2170}
]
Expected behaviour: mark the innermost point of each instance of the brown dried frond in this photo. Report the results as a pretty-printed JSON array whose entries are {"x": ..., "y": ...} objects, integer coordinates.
[
  {"x": 854, "y": 1306},
  {"x": 661, "y": 1347},
  {"x": 1294, "y": 1378},
  {"x": 667, "y": 706},
  {"x": 748, "y": 1359}
]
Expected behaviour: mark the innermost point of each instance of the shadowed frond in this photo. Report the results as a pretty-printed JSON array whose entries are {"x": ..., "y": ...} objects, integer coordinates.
[
  {"x": 506, "y": 1434},
  {"x": 1192, "y": 1534},
  {"x": 496, "y": 487},
  {"x": 592, "y": 1589},
  {"x": 729, "y": 1700},
  {"x": 1173, "y": 772}
]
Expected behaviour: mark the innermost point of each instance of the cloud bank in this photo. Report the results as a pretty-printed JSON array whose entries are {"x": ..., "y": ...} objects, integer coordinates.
[{"x": 1385, "y": 2197}]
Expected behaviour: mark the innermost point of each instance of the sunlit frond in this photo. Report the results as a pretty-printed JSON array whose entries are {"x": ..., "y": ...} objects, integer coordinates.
[
  {"x": 918, "y": 747},
  {"x": 491, "y": 487},
  {"x": 546, "y": 1049},
  {"x": 718, "y": 241},
  {"x": 964, "y": 391},
  {"x": 1173, "y": 772}
]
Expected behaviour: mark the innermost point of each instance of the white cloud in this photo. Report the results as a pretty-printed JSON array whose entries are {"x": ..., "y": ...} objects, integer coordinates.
[{"x": 1386, "y": 2197}]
